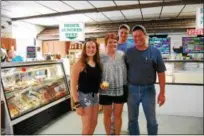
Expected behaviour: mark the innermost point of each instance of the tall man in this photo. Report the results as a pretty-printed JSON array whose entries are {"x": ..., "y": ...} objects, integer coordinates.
[
  {"x": 143, "y": 63},
  {"x": 123, "y": 33}
]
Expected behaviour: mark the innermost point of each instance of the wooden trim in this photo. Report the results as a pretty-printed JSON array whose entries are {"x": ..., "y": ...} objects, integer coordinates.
[{"x": 153, "y": 26}]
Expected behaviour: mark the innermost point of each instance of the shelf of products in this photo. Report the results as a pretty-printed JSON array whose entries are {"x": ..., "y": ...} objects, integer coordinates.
[{"x": 29, "y": 87}]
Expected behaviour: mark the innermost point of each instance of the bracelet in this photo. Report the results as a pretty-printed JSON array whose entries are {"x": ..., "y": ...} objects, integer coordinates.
[
  {"x": 76, "y": 103},
  {"x": 78, "y": 106}
]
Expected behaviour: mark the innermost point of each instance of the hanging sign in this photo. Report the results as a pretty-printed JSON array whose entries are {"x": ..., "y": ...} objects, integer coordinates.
[
  {"x": 195, "y": 31},
  {"x": 71, "y": 32}
]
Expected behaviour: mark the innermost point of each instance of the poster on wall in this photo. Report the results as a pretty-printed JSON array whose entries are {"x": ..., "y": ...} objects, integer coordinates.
[
  {"x": 31, "y": 52},
  {"x": 162, "y": 44},
  {"x": 71, "y": 32},
  {"x": 193, "y": 44}
]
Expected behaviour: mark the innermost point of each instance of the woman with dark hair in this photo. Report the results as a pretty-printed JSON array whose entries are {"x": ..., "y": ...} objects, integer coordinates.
[
  {"x": 85, "y": 83},
  {"x": 112, "y": 95}
]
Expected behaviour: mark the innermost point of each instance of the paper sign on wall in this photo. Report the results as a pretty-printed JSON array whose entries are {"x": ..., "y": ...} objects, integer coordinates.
[{"x": 71, "y": 32}]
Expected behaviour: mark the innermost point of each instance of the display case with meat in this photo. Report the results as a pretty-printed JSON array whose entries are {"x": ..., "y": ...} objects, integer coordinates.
[
  {"x": 33, "y": 92},
  {"x": 29, "y": 87}
]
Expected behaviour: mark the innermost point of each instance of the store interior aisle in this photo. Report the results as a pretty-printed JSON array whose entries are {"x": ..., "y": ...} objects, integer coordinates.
[{"x": 70, "y": 123}]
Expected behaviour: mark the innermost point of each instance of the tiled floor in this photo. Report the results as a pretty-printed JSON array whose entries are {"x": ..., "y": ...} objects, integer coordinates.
[{"x": 70, "y": 123}]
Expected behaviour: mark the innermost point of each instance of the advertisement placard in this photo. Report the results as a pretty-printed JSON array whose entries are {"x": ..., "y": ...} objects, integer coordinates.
[{"x": 71, "y": 32}]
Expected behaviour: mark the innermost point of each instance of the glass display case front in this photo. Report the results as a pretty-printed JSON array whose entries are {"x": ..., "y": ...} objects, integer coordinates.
[
  {"x": 184, "y": 72},
  {"x": 29, "y": 87}
]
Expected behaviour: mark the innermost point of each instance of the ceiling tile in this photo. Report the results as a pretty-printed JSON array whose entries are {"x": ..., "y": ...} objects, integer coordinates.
[
  {"x": 172, "y": 9},
  {"x": 146, "y": 1},
  {"x": 60, "y": 5},
  {"x": 114, "y": 15},
  {"x": 74, "y": 18},
  {"x": 97, "y": 16},
  {"x": 17, "y": 12},
  {"x": 118, "y": 19},
  {"x": 122, "y": 3},
  {"x": 3, "y": 3},
  {"x": 99, "y": 4},
  {"x": 79, "y": 4},
  {"x": 43, "y": 21},
  {"x": 55, "y": 21},
  {"x": 39, "y": 8},
  {"x": 6, "y": 13},
  {"x": 147, "y": 11},
  {"x": 132, "y": 14},
  {"x": 191, "y": 8},
  {"x": 20, "y": 2},
  {"x": 29, "y": 6},
  {"x": 155, "y": 16}
]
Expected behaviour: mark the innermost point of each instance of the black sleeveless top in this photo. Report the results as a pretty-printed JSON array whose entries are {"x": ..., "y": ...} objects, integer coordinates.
[{"x": 90, "y": 79}]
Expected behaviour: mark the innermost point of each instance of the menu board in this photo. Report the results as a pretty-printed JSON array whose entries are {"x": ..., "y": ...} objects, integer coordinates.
[
  {"x": 31, "y": 52},
  {"x": 193, "y": 44},
  {"x": 162, "y": 44}
]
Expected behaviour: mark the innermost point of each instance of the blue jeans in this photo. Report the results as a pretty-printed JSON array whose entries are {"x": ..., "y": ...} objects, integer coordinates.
[{"x": 146, "y": 95}]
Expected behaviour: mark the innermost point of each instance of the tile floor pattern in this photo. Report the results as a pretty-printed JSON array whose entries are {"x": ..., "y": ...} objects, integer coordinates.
[{"x": 70, "y": 123}]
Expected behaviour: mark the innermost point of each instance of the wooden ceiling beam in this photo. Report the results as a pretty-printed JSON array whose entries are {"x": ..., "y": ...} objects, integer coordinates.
[
  {"x": 113, "y": 8},
  {"x": 154, "y": 26}
]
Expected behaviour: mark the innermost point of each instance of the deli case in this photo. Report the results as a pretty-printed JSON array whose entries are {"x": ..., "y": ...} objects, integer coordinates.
[{"x": 35, "y": 93}]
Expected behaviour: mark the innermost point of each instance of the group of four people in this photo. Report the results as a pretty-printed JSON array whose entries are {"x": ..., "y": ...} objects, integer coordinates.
[{"x": 129, "y": 70}]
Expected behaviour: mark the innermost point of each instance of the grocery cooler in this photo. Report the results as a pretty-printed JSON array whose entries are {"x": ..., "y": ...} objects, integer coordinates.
[{"x": 35, "y": 93}]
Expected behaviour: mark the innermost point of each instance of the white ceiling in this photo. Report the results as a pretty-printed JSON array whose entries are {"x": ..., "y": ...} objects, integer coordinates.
[
  {"x": 151, "y": 12},
  {"x": 120, "y": 3},
  {"x": 132, "y": 14},
  {"x": 97, "y": 16},
  {"x": 99, "y": 4},
  {"x": 59, "y": 8},
  {"x": 171, "y": 11},
  {"x": 16, "y": 9},
  {"x": 114, "y": 15},
  {"x": 79, "y": 4},
  {"x": 150, "y": 1}
]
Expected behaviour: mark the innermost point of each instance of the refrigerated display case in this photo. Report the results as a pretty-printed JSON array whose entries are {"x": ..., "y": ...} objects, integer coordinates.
[
  {"x": 184, "y": 72},
  {"x": 32, "y": 88}
]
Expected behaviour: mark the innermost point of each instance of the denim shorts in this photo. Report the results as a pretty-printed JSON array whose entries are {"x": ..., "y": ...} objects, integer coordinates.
[{"x": 88, "y": 99}]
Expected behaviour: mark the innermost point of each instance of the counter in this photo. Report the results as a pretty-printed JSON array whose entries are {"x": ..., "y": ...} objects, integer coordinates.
[
  {"x": 184, "y": 88},
  {"x": 184, "y": 72}
]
